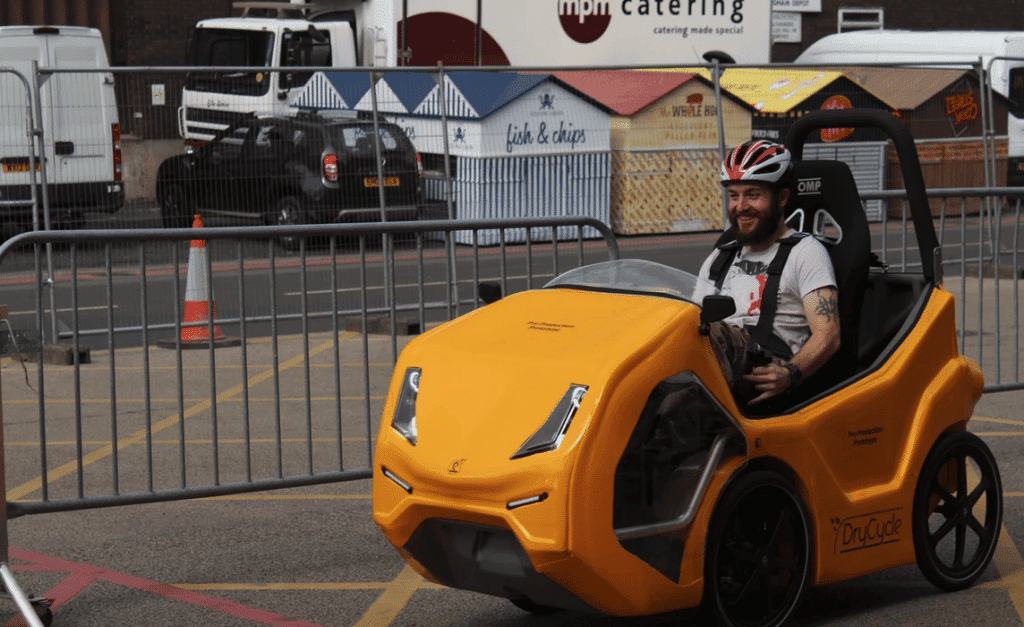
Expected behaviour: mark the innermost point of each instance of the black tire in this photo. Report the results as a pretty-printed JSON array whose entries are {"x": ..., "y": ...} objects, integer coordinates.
[
  {"x": 288, "y": 210},
  {"x": 527, "y": 605},
  {"x": 952, "y": 545},
  {"x": 177, "y": 206},
  {"x": 758, "y": 560}
]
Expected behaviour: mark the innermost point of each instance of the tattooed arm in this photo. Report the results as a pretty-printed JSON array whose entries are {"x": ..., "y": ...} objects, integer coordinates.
[{"x": 822, "y": 310}]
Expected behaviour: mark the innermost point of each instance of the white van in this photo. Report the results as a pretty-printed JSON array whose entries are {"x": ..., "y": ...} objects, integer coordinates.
[
  {"x": 956, "y": 49},
  {"x": 79, "y": 123}
]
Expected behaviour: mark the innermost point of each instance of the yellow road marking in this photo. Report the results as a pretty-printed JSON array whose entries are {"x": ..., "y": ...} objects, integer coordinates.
[
  {"x": 265, "y": 497},
  {"x": 281, "y": 586},
  {"x": 1010, "y": 565},
  {"x": 395, "y": 597},
  {"x": 200, "y": 441},
  {"x": 998, "y": 434},
  {"x": 1003, "y": 421},
  {"x": 140, "y": 435},
  {"x": 1007, "y": 558},
  {"x": 194, "y": 400},
  {"x": 287, "y": 497},
  {"x": 52, "y": 368}
]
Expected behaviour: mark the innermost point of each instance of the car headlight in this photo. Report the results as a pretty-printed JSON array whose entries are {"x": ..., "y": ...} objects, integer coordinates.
[
  {"x": 549, "y": 436},
  {"x": 404, "y": 419}
]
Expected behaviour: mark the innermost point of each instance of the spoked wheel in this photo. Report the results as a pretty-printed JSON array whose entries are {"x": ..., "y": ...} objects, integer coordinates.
[
  {"x": 958, "y": 511},
  {"x": 527, "y": 605},
  {"x": 289, "y": 211},
  {"x": 759, "y": 553},
  {"x": 177, "y": 207}
]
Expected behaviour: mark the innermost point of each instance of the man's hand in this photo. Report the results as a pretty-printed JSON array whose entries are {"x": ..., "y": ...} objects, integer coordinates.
[
  {"x": 770, "y": 380},
  {"x": 823, "y": 319}
]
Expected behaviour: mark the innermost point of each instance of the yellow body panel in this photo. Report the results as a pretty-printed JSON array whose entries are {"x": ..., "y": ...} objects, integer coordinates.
[{"x": 492, "y": 377}]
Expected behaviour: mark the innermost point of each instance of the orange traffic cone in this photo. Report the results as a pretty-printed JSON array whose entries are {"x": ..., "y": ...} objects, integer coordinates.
[{"x": 199, "y": 306}]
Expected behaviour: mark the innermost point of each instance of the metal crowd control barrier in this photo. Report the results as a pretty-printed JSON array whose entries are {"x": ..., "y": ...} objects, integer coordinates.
[
  {"x": 421, "y": 293},
  {"x": 293, "y": 405},
  {"x": 982, "y": 265},
  {"x": 12, "y": 128}
]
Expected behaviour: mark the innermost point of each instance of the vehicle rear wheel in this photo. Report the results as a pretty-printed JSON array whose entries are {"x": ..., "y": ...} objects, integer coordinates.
[
  {"x": 177, "y": 206},
  {"x": 288, "y": 211},
  {"x": 958, "y": 511},
  {"x": 759, "y": 553}
]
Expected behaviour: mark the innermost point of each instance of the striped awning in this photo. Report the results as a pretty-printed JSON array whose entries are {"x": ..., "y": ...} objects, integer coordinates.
[
  {"x": 475, "y": 95},
  {"x": 334, "y": 90}
]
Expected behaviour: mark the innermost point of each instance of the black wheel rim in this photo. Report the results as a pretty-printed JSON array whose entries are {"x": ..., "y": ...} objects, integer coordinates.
[
  {"x": 289, "y": 213},
  {"x": 175, "y": 207},
  {"x": 762, "y": 560},
  {"x": 963, "y": 519}
]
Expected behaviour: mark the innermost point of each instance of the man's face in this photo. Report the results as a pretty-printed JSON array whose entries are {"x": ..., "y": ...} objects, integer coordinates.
[{"x": 755, "y": 218}]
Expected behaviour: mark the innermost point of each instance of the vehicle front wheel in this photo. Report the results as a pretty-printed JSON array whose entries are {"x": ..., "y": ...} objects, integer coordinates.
[
  {"x": 527, "y": 605},
  {"x": 177, "y": 206},
  {"x": 288, "y": 211},
  {"x": 958, "y": 511},
  {"x": 758, "y": 554}
]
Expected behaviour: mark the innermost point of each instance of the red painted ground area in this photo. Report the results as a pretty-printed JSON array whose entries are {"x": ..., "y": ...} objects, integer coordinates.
[{"x": 80, "y": 576}]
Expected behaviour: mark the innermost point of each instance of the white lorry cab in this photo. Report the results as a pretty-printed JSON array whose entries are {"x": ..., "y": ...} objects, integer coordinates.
[
  {"x": 945, "y": 49},
  {"x": 81, "y": 151},
  {"x": 211, "y": 100}
]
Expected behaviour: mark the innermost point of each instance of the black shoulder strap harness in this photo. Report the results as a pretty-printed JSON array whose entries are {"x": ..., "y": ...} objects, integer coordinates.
[{"x": 762, "y": 333}]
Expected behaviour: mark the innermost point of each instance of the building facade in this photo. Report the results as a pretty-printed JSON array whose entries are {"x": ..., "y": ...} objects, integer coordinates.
[
  {"x": 838, "y": 15},
  {"x": 155, "y": 32}
]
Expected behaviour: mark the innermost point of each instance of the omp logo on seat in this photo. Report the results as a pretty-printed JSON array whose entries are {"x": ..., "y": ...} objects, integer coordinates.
[
  {"x": 808, "y": 186},
  {"x": 584, "y": 20}
]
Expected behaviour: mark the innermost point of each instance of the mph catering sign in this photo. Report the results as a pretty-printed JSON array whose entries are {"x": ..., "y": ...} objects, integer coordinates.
[
  {"x": 544, "y": 33},
  {"x": 648, "y": 32}
]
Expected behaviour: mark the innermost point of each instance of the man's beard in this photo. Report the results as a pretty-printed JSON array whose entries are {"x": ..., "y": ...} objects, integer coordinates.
[{"x": 764, "y": 230}]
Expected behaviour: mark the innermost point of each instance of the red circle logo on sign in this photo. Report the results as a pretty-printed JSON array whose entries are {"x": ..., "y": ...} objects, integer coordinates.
[
  {"x": 584, "y": 20},
  {"x": 836, "y": 134}
]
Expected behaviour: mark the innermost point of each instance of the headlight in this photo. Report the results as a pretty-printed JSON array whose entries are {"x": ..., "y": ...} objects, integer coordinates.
[
  {"x": 550, "y": 434},
  {"x": 404, "y": 419}
]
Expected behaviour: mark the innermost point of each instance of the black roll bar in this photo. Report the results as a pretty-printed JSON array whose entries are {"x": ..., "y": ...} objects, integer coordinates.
[{"x": 910, "y": 165}]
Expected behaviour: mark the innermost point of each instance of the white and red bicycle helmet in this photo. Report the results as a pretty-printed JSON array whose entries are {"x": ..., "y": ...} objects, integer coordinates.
[{"x": 756, "y": 162}]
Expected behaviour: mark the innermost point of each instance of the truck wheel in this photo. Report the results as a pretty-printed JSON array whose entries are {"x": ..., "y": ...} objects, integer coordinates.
[
  {"x": 758, "y": 553},
  {"x": 177, "y": 206},
  {"x": 289, "y": 211},
  {"x": 958, "y": 511}
]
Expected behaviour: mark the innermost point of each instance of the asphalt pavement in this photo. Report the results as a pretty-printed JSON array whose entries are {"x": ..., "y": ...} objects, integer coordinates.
[{"x": 313, "y": 556}]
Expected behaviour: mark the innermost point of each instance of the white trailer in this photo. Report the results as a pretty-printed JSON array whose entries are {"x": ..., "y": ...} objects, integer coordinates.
[
  {"x": 940, "y": 49},
  {"x": 392, "y": 33},
  {"x": 995, "y": 50}
]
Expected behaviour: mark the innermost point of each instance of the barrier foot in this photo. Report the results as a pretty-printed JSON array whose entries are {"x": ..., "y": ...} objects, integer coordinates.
[{"x": 25, "y": 606}]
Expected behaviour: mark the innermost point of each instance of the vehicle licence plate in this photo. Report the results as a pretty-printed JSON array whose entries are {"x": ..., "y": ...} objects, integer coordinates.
[
  {"x": 11, "y": 168},
  {"x": 389, "y": 181}
]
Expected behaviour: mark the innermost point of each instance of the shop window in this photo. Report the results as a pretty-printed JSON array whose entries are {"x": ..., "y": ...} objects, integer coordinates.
[{"x": 860, "y": 19}]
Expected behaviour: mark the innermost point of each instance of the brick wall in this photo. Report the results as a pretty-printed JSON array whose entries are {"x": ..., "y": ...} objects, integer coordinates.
[
  {"x": 156, "y": 32},
  {"x": 909, "y": 15}
]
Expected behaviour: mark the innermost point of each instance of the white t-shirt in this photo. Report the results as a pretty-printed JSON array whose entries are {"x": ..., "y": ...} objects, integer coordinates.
[{"x": 808, "y": 268}]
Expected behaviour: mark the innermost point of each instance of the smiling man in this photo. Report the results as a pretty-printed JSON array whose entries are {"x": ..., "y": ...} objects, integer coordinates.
[{"x": 782, "y": 282}]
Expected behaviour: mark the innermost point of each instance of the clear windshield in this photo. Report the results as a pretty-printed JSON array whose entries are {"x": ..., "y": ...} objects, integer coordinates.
[
  {"x": 212, "y": 47},
  {"x": 635, "y": 276}
]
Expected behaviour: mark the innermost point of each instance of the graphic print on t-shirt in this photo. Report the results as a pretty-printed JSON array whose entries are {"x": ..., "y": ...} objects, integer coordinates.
[{"x": 758, "y": 270}]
